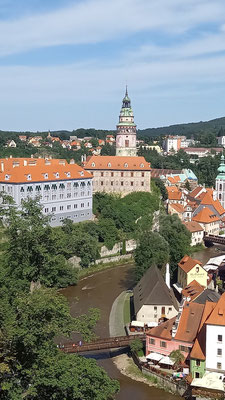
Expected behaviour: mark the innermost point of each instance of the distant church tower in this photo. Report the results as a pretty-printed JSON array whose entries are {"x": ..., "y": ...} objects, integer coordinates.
[
  {"x": 126, "y": 130},
  {"x": 220, "y": 182}
]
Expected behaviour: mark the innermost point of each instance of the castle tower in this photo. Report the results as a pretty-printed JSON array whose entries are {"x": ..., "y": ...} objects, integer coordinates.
[
  {"x": 220, "y": 182},
  {"x": 126, "y": 130}
]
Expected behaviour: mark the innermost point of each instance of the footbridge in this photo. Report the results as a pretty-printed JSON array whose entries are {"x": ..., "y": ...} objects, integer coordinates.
[
  {"x": 211, "y": 239},
  {"x": 100, "y": 344}
]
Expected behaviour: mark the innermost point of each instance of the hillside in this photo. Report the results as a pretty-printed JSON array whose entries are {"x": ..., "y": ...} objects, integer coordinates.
[{"x": 188, "y": 130}]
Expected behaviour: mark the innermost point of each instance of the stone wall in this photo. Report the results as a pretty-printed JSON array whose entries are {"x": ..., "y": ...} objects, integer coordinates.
[
  {"x": 167, "y": 384},
  {"x": 112, "y": 259},
  {"x": 117, "y": 248}
]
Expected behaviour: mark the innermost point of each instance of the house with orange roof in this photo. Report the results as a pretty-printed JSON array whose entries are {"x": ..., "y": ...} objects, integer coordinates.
[
  {"x": 119, "y": 174},
  {"x": 189, "y": 270},
  {"x": 197, "y": 232},
  {"x": 209, "y": 221},
  {"x": 101, "y": 142},
  {"x": 214, "y": 205},
  {"x": 64, "y": 190},
  {"x": 198, "y": 352},
  {"x": 75, "y": 143},
  {"x": 192, "y": 291},
  {"x": 215, "y": 338},
  {"x": 178, "y": 333},
  {"x": 175, "y": 197},
  {"x": 23, "y": 138},
  {"x": 176, "y": 208}
]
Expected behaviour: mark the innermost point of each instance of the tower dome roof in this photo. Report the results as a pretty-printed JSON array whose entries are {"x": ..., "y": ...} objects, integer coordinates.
[{"x": 221, "y": 169}]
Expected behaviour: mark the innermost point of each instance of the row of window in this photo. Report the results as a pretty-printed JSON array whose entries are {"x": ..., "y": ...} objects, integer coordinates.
[
  {"x": 121, "y": 183},
  {"x": 61, "y": 196},
  {"x": 55, "y": 187},
  {"x": 62, "y": 208},
  {"x": 164, "y": 345},
  {"x": 71, "y": 216},
  {"x": 121, "y": 174}
]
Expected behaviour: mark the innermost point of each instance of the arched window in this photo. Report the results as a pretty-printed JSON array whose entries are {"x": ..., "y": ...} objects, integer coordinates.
[
  {"x": 220, "y": 187},
  {"x": 93, "y": 164},
  {"x": 109, "y": 165}
]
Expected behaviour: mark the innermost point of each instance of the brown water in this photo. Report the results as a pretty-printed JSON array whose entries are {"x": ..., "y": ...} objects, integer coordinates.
[{"x": 100, "y": 290}]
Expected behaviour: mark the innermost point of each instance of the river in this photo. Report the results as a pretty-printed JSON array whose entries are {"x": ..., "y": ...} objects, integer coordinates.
[{"x": 100, "y": 290}]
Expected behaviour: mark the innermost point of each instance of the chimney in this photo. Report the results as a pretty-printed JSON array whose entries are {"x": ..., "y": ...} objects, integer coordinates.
[
  {"x": 2, "y": 166},
  {"x": 10, "y": 156},
  {"x": 72, "y": 161},
  {"x": 82, "y": 158},
  {"x": 25, "y": 163},
  {"x": 168, "y": 275},
  {"x": 32, "y": 156}
]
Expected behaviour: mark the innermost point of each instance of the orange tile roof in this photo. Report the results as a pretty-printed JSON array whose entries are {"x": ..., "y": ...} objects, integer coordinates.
[
  {"x": 187, "y": 263},
  {"x": 193, "y": 226},
  {"x": 189, "y": 322},
  {"x": 172, "y": 189},
  {"x": 177, "y": 207},
  {"x": 208, "y": 200},
  {"x": 205, "y": 216},
  {"x": 198, "y": 350},
  {"x": 174, "y": 179},
  {"x": 18, "y": 169},
  {"x": 174, "y": 195},
  {"x": 196, "y": 191},
  {"x": 193, "y": 290},
  {"x": 163, "y": 330},
  {"x": 218, "y": 315},
  {"x": 117, "y": 163}
]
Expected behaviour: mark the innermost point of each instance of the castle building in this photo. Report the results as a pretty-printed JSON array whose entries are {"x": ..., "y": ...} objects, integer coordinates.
[
  {"x": 126, "y": 172},
  {"x": 64, "y": 190},
  {"x": 220, "y": 182},
  {"x": 126, "y": 130}
]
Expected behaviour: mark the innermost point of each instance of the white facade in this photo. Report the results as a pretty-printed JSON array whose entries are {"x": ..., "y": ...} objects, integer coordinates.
[
  {"x": 215, "y": 348},
  {"x": 221, "y": 140},
  {"x": 61, "y": 198},
  {"x": 220, "y": 190},
  {"x": 152, "y": 313}
]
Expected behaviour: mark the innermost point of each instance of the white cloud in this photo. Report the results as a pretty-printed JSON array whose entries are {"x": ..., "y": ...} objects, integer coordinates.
[{"x": 99, "y": 20}]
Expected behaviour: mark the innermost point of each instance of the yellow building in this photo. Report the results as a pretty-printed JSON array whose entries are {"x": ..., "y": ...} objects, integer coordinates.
[{"x": 190, "y": 270}]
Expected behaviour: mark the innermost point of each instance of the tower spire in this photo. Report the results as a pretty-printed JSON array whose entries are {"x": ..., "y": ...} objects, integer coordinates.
[{"x": 126, "y": 93}]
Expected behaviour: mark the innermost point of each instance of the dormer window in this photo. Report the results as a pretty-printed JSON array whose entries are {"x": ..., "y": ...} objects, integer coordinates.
[
  {"x": 109, "y": 165},
  {"x": 6, "y": 177},
  {"x": 68, "y": 174},
  {"x": 57, "y": 175},
  {"x": 125, "y": 165},
  {"x": 46, "y": 176},
  {"x": 142, "y": 165},
  {"x": 29, "y": 177},
  {"x": 81, "y": 173},
  {"x": 93, "y": 164}
]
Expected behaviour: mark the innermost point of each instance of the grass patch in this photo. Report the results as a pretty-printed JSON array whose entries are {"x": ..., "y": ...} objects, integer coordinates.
[
  {"x": 101, "y": 267},
  {"x": 133, "y": 370},
  {"x": 126, "y": 309},
  {"x": 197, "y": 247},
  {"x": 140, "y": 353}
]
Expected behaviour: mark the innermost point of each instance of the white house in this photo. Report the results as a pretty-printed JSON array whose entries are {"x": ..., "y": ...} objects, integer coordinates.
[
  {"x": 64, "y": 190},
  {"x": 153, "y": 298},
  {"x": 197, "y": 232},
  {"x": 215, "y": 338}
]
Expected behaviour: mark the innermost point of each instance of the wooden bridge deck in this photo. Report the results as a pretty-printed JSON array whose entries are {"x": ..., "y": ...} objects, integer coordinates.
[
  {"x": 101, "y": 344},
  {"x": 214, "y": 239}
]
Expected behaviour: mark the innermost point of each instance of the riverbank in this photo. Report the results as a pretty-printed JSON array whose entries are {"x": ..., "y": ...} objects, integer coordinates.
[
  {"x": 87, "y": 272},
  {"x": 128, "y": 368}
]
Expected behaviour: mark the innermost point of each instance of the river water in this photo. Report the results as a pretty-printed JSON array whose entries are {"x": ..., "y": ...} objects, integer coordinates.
[{"x": 100, "y": 290}]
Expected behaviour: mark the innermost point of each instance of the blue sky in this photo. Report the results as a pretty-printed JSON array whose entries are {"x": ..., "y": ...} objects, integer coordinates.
[{"x": 64, "y": 64}]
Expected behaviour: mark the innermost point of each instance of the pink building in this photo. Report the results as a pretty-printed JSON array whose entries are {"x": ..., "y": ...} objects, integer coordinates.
[{"x": 178, "y": 333}]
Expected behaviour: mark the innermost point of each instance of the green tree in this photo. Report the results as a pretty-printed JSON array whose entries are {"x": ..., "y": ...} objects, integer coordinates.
[
  {"x": 178, "y": 238},
  {"x": 108, "y": 232},
  {"x": 31, "y": 254},
  {"x": 152, "y": 249},
  {"x": 136, "y": 345},
  {"x": 159, "y": 183},
  {"x": 177, "y": 357}
]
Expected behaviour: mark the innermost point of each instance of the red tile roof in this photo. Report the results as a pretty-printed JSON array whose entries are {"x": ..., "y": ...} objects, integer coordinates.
[
  {"x": 218, "y": 315},
  {"x": 177, "y": 207},
  {"x": 187, "y": 263},
  {"x": 174, "y": 195},
  {"x": 117, "y": 163},
  {"x": 198, "y": 350},
  {"x": 193, "y": 226},
  {"x": 196, "y": 191},
  {"x": 205, "y": 216},
  {"x": 18, "y": 169},
  {"x": 189, "y": 322},
  {"x": 193, "y": 290}
]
